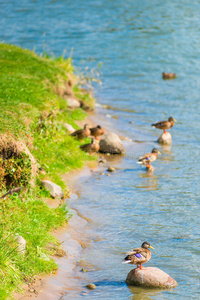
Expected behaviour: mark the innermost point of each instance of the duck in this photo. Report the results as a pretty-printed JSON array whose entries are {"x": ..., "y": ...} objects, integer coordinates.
[
  {"x": 138, "y": 256},
  {"x": 148, "y": 158},
  {"x": 168, "y": 75},
  {"x": 82, "y": 133},
  {"x": 165, "y": 124},
  {"x": 91, "y": 147},
  {"x": 97, "y": 131}
]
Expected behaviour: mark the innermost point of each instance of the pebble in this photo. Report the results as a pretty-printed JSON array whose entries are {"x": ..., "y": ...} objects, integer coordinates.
[
  {"x": 91, "y": 286},
  {"x": 111, "y": 169}
]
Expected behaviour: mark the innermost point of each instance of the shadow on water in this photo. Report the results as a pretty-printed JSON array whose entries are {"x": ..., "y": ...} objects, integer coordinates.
[{"x": 138, "y": 293}]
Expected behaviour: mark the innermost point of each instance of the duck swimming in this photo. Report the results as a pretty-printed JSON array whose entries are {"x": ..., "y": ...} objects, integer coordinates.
[{"x": 138, "y": 256}]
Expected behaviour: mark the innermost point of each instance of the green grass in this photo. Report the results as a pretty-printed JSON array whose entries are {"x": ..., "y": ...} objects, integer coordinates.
[
  {"x": 29, "y": 86},
  {"x": 32, "y": 219}
]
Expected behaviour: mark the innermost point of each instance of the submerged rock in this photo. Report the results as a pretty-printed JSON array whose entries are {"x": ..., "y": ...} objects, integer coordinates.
[
  {"x": 150, "y": 277},
  {"x": 111, "y": 169},
  {"x": 165, "y": 138},
  {"x": 55, "y": 190},
  {"x": 111, "y": 143}
]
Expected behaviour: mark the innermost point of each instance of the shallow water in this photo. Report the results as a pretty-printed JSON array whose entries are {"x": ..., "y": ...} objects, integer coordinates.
[{"x": 135, "y": 41}]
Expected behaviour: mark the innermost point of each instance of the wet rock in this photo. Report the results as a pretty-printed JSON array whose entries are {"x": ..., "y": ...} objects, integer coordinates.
[
  {"x": 73, "y": 103},
  {"x": 108, "y": 174},
  {"x": 111, "y": 169},
  {"x": 84, "y": 270},
  {"x": 111, "y": 143},
  {"x": 21, "y": 244},
  {"x": 165, "y": 139},
  {"x": 69, "y": 127},
  {"x": 150, "y": 277},
  {"x": 55, "y": 190},
  {"x": 91, "y": 286}
]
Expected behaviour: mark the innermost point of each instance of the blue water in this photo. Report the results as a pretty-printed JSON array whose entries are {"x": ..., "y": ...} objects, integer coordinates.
[{"x": 135, "y": 41}]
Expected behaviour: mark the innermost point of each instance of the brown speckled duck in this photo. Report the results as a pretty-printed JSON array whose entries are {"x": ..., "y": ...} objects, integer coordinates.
[
  {"x": 138, "y": 256},
  {"x": 164, "y": 124},
  {"x": 97, "y": 131},
  {"x": 168, "y": 75},
  {"x": 148, "y": 158},
  {"x": 82, "y": 133},
  {"x": 91, "y": 148}
]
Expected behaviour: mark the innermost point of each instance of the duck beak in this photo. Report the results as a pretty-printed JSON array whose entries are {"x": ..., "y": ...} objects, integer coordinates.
[
  {"x": 159, "y": 152},
  {"x": 151, "y": 247},
  {"x": 175, "y": 120}
]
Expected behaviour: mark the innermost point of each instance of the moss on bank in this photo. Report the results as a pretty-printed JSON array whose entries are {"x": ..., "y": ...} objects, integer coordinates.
[{"x": 33, "y": 109}]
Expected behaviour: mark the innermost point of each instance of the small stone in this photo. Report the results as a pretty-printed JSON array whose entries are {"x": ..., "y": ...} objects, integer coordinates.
[
  {"x": 150, "y": 277},
  {"x": 55, "y": 190},
  {"x": 108, "y": 174},
  {"x": 165, "y": 138},
  {"x": 73, "y": 103},
  {"x": 31, "y": 290},
  {"x": 102, "y": 161},
  {"x": 130, "y": 122},
  {"x": 111, "y": 169},
  {"x": 69, "y": 127},
  {"x": 21, "y": 244},
  {"x": 84, "y": 270},
  {"x": 91, "y": 286},
  {"x": 102, "y": 174}
]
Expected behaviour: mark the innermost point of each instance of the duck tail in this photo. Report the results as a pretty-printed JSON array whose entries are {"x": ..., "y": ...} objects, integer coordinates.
[{"x": 124, "y": 261}]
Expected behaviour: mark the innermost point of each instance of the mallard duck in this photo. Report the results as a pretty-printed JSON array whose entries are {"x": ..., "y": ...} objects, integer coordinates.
[
  {"x": 91, "y": 148},
  {"x": 168, "y": 75},
  {"x": 97, "y": 131},
  {"x": 138, "y": 256},
  {"x": 148, "y": 158},
  {"x": 82, "y": 133},
  {"x": 164, "y": 124}
]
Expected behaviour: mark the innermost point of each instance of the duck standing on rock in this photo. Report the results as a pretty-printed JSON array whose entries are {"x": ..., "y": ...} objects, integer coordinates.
[
  {"x": 148, "y": 158},
  {"x": 82, "y": 133},
  {"x": 138, "y": 256},
  {"x": 164, "y": 124},
  {"x": 97, "y": 131},
  {"x": 91, "y": 148}
]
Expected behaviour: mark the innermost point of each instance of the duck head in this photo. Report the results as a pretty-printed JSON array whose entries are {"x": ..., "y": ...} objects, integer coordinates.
[{"x": 146, "y": 245}]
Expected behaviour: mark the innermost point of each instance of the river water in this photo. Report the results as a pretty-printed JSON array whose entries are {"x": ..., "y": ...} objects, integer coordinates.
[{"x": 135, "y": 41}]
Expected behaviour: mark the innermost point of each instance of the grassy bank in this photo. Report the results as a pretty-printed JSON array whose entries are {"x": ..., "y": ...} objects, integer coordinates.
[{"x": 33, "y": 110}]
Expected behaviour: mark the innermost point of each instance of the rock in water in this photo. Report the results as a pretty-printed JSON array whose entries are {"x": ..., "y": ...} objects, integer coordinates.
[
  {"x": 111, "y": 143},
  {"x": 55, "y": 190},
  {"x": 165, "y": 139},
  {"x": 150, "y": 277}
]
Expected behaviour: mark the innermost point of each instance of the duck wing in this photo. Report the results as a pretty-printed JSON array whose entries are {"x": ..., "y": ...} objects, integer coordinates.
[
  {"x": 162, "y": 125},
  {"x": 77, "y": 132},
  {"x": 146, "y": 159}
]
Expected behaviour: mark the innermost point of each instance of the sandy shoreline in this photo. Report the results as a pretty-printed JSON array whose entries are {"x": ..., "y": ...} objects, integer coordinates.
[{"x": 72, "y": 237}]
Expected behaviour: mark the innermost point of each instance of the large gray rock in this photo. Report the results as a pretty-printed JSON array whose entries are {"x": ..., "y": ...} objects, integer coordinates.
[
  {"x": 69, "y": 127},
  {"x": 165, "y": 138},
  {"x": 73, "y": 103},
  {"x": 111, "y": 143},
  {"x": 150, "y": 277},
  {"x": 55, "y": 190}
]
